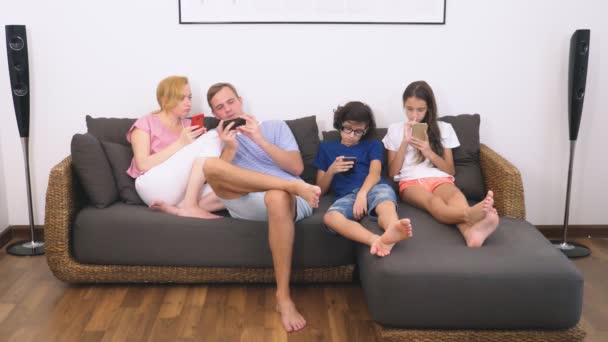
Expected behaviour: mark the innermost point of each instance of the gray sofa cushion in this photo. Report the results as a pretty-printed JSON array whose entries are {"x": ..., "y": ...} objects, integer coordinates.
[
  {"x": 93, "y": 170},
  {"x": 120, "y": 157},
  {"x": 466, "y": 156},
  {"x": 306, "y": 132},
  {"x": 517, "y": 280},
  {"x": 136, "y": 235},
  {"x": 110, "y": 129}
]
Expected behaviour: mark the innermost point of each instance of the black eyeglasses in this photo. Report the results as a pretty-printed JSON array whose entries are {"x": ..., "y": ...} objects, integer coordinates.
[{"x": 349, "y": 130}]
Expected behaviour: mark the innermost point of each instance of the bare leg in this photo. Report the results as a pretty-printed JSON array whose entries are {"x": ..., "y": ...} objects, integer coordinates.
[
  {"x": 395, "y": 229},
  {"x": 435, "y": 204},
  {"x": 211, "y": 202},
  {"x": 350, "y": 229},
  {"x": 475, "y": 234},
  {"x": 229, "y": 182},
  {"x": 281, "y": 232},
  {"x": 190, "y": 205}
]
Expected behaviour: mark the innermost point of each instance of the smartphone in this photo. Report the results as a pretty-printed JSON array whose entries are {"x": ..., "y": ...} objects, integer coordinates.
[
  {"x": 419, "y": 130},
  {"x": 198, "y": 120},
  {"x": 350, "y": 159},
  {"x": 237, "y": 122}
]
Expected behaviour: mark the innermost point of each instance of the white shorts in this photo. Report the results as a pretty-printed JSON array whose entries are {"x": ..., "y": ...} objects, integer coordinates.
[
  {"x": 168, "y": 180},
  {"x": 252, "y": 207}
]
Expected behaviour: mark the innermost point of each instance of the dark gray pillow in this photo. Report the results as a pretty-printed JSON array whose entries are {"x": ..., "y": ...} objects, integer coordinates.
[
  {"x": 466, "y": 156},
  {"x": 93, "y": 170},
  {"x": 120, "y": 157},
  {"x": 306, "y": 132},
  {"x": 110, "y": 129}
]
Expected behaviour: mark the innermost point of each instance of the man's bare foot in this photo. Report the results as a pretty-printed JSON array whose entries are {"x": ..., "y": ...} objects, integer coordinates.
[
  {"x": 479, "y": 232},
  {"x": 308, "y": 192},
  {"x": 185, "y": 212},
  {"x": 397, "y": 231},
  {"x": 290, "y": 317},
  {"x": 477, "y": 213}
]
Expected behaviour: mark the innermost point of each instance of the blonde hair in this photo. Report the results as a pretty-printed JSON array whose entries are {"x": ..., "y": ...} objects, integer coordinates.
[{"x": 169, "y": 92}]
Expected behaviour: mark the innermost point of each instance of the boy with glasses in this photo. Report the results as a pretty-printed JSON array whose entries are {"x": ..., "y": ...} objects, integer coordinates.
[{"x": 351, "y": 168}]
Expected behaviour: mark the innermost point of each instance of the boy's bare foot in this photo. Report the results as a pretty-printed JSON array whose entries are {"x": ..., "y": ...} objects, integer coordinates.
[
  {"x": 290, "y": 317},
  {"x": 479, "y": 232},
  {"x": 477, "y": 213},
  {"x": 185, "y": 212},
  {"x": 397, "y": 231},
  {"x": 308, "y": 192}
]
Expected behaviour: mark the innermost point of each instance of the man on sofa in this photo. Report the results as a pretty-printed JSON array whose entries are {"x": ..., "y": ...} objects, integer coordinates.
[{"x": 269, "y": 148}]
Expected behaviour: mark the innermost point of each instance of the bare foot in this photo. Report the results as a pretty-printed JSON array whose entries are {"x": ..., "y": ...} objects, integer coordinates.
[
  {"x": 397, "y": 231},
  {"x": 477, "y": 213},
  {"x": 308, "y": 192},
  {"x": 479, "y": 232},
  {"x": 290, "y": 317},
  {"x": 185, "y": 212}
]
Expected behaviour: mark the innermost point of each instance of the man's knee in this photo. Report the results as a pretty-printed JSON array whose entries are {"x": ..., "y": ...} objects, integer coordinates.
[
  {"x": 279, "y": 199},
  {"x": 212, "y": 167}
]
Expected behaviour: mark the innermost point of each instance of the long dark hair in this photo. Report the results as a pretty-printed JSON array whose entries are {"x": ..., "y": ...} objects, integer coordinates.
[
  {"x": 358, "y": 112},
  {"x": 423, "y": 91}
]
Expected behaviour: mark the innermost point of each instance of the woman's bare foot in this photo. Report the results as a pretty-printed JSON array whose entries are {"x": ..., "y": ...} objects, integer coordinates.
[
  {"x": 477, "y": 213},
  {"x": 308, "y": 192},
  {"x": 479, "y": 232},
  {"x": 185, "y": 212},
  {"x": 397, "y": 231},
  {"x": 290, "y": 317}
]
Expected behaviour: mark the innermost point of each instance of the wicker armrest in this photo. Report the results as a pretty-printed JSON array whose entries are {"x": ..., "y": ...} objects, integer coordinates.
[
  {"x": 62, "y": 203},
  {"x": 504, "y": 179}
]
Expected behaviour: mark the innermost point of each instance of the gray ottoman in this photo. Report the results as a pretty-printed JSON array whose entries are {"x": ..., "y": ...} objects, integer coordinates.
[{"x": 517, "y": 280}]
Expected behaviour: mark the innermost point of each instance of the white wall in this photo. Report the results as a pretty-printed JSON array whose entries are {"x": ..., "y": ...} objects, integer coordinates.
[
  {"x": 505, "y": 59},
  {"x": 3, "y": 206}
]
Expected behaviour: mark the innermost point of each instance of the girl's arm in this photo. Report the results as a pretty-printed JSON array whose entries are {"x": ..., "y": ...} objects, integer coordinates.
[
  {"x": 396, "y": 159},
  {"x": 445, "y": 164},
  {"x": 140, "y": 141}
]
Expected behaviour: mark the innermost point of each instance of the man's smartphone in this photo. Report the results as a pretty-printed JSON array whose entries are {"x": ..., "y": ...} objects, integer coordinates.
[
  {"x": 198, "y": 120},
  {"x": 350, "y": 159},
  {"x": 237, "y": 122},
  {"x": 419, "y": 130}
]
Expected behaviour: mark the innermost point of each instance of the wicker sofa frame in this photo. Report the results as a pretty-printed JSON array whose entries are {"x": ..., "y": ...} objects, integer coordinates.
[{"x": 65, "y": 198}]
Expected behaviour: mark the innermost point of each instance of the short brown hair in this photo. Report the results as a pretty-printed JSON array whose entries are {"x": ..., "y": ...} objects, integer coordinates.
[{"x": 214, "y": 89}]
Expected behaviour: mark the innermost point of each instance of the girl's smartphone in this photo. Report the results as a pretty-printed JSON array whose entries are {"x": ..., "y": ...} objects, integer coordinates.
[
  {"x": 419, "y": 130},
  {"x": 198, "y": 120}
]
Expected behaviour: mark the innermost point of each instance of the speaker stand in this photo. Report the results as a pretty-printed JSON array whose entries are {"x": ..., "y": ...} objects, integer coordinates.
[
  {"x": 570, "y": 249},
  {"x": 32, "y": 247}
]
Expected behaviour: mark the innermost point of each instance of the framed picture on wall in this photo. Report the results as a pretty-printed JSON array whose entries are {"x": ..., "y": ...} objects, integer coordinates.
[{"x": 312, "y": 11}]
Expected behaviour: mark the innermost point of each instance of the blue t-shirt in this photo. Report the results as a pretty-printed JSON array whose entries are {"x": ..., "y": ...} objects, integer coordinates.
[
  {"x": 365, "y": 151},
  {"x": 250, "y": 156}
]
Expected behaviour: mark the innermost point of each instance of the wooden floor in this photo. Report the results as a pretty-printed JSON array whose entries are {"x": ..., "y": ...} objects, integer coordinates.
[{"x": 34, "y": 306}]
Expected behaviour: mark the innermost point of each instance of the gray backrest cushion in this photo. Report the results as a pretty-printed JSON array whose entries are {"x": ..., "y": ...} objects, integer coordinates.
[
  {"x": 120, "y": 157},
  {"x": 306, "y": 132},
  {"x": 93, "y": 170},
  {"x": 466, "y": 157},
  {"x": 110, "y": 129}
]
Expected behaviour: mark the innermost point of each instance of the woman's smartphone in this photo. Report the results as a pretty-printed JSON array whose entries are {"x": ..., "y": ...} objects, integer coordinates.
[
  {"x": 198, "y": 120},
  {"x": 419, "y": 130},
  {"x": 237, "y": 122}
]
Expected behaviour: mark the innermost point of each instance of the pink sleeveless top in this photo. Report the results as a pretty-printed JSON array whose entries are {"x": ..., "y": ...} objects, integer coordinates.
[{"x": 160, "y": 137}]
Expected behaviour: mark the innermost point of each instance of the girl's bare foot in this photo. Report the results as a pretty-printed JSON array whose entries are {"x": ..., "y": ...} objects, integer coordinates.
[
  {"x": 479, "y": 232},
  {"x": 397, "y": 231},
  {"x": 477, "y": 213}
]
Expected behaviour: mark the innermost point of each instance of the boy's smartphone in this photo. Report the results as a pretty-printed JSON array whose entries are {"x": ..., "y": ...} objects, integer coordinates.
[
  {"x": 237, "y": 122},
  {"x": 350, "y": 159},
  {"x": 419, "y": 130},
  {"x": 198, "y": 120}
]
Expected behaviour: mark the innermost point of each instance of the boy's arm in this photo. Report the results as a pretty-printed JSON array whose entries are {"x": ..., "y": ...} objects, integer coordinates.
[
  {"x": 373, "y": 177},
  {"x": 324, "y": 180}
]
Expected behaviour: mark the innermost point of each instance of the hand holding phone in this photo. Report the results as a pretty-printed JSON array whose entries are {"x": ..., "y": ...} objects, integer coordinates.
[
  {"x": 419, "y": 130},
  {"x": 350, "y": 159},
  {"x": 237, "y": 122},
  {"x": 198, "y": 120}
]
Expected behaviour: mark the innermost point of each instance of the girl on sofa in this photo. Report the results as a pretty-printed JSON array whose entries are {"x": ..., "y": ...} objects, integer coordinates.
[
  {"x": 351, "y": 168},
  {"x": 425, "y": 168},
  {"x": 169, "y": 154}
]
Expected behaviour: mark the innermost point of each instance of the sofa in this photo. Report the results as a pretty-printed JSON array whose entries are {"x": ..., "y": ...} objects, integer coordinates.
[{"x": 432, "y": 287}]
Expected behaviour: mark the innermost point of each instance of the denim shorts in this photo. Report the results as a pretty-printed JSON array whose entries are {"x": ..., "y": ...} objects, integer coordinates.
[
  {"x": 378, "y": 194},
  {"x": 252, "y": 207}
]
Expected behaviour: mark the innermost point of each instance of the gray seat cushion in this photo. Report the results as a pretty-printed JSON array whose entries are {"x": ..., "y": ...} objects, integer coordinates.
[
  {"x": 517, "y": 280},
  {"x": 134, "y": 235}
]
